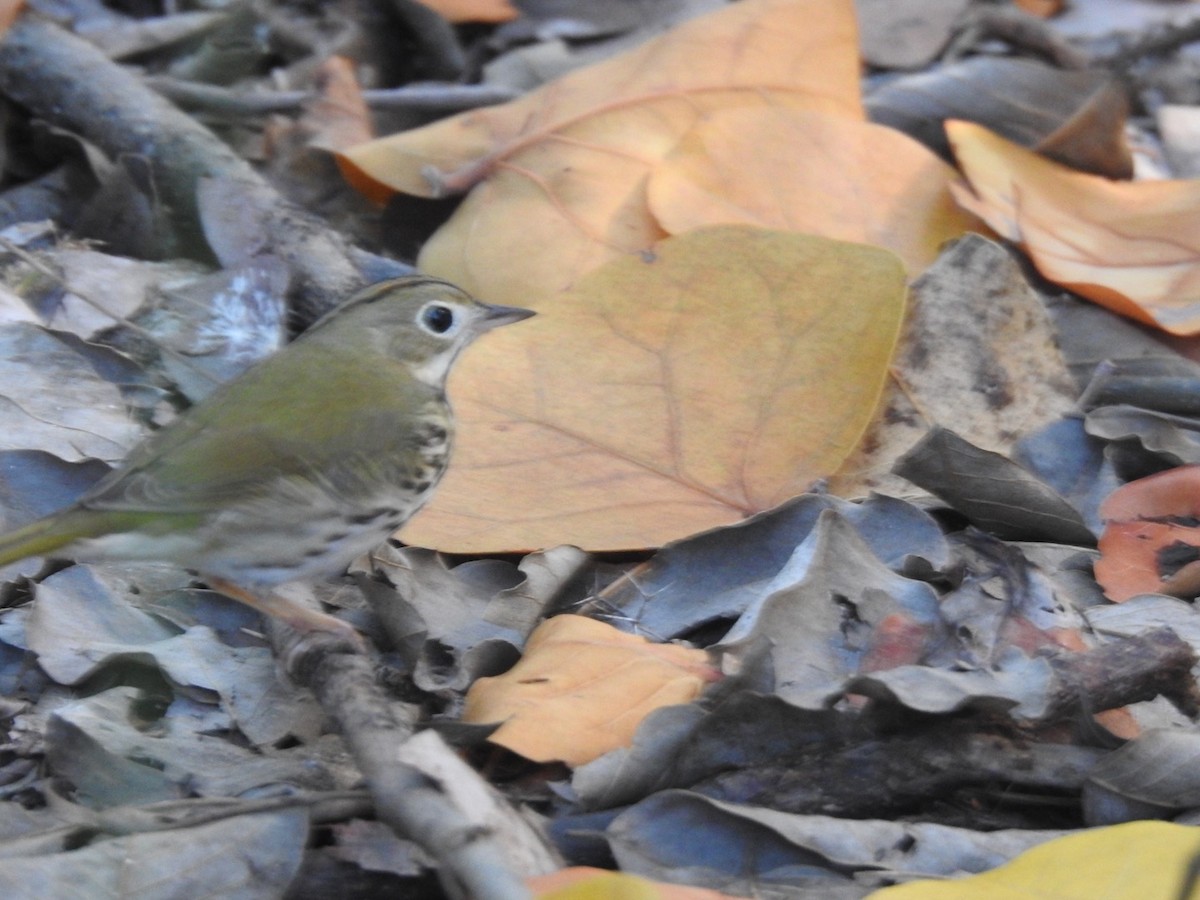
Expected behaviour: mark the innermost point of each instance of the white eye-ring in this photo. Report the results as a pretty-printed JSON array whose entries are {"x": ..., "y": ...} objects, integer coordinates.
[{"x": 439, "y": 319}]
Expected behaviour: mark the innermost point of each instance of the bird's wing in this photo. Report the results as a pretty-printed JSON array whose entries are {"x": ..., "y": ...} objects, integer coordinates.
[{"x": 239, "y": 445}]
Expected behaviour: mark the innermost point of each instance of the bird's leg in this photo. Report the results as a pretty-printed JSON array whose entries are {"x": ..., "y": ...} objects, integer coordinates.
[{"x": 288, "y": 610}]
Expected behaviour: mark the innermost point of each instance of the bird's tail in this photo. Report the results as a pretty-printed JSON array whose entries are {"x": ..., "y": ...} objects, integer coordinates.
[{"x": 38, "y": 538}]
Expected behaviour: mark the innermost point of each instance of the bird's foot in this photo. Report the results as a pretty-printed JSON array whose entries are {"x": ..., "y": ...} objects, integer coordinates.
[{"x": 293, "y": 612}]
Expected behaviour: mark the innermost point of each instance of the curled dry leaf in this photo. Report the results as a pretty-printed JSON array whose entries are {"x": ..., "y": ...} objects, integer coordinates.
[
  {"x": 1151, "y": 540},
  {"x": 582, "y": 688},
  {"x": 690, "y": 388},
  {"x": 1132, "y": 247},
  {"x": 338, "y": 116},
  {"x": 1076, "y": 117}
]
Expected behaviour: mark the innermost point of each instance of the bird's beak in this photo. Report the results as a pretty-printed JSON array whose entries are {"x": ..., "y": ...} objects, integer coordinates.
[{"x": 504, "y": 315}]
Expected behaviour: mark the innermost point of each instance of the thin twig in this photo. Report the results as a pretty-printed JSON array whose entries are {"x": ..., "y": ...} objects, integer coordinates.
[
  {"x": 71, "y": 84},
  {"x": 472, "y": 861},
  {"x": 1018, "y": 28},
  {"x": 215, "y": 100},
  {"x": 1154, "y": 42}
]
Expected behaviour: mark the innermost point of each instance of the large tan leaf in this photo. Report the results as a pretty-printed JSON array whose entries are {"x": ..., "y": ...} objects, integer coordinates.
[
  {"x": 669, "y": 393},
  {"x": 1133, "y": 247},
  {"x": 582, "y": 688},
  {"x": 803, "y": 171},
  {"x": 565, "y": 166}
]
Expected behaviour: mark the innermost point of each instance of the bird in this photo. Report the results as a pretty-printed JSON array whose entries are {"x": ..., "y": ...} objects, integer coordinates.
[{"x": 309, "y": 459}]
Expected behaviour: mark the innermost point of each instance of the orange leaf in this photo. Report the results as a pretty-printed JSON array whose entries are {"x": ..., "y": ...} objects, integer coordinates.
[
  {"x": 804, "y": 171},
  {"x": 1044, "y": 9},
  {"x": 474, "y": 10},
  {"x": 710, "y": 380},
  {"x": 565, "y": 166},
  {"x": 582, "y": 688},
  {"x": 1134, "y": 248},
  {"x": 1151, "y": 540},
  {"x": 9, "y": 10}
]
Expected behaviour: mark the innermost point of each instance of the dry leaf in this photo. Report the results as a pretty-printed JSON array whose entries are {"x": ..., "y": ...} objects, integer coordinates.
[
  {"x": 565, "y": 166},
  {"x": 582, "y": 688},
  {"x": 1076, "y": 117},
  {"x": 1093, "y": 139},
  {"x": 1138, "y": 859},
  {"x": 1151, "y": 542},
  {"x": 1044, "y": 9},
  {"x": 587, "y": 883},
  {"x": 978, "y": 355},
  {"x": 1133, "y": 247},
  {"x": 338, "y": 117},
  {"x": 802, "y": 171},
  {"x": 710, "y": 380},
  {"x": 473, "y": 10},
  {"x": 9, "y": 10}
]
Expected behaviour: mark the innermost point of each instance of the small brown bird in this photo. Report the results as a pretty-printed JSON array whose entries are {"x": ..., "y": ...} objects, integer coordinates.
[{"x": 306, "y": 461}]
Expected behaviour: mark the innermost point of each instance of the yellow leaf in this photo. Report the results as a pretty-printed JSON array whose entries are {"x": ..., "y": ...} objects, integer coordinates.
[
  {"x": 565, "y": 166},
  {"x": 586, "y": 883},
  {"x": 582, "y": 688},
  {"x": 707, "y": 381},
  {"x": 1133, "y": 247},
  {"x": 1146, "y": 860},
  {"x": 804, "y": 171}
]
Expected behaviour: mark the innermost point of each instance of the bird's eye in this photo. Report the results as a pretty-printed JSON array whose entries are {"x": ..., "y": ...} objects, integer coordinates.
[{"x": 437, "y": 318}]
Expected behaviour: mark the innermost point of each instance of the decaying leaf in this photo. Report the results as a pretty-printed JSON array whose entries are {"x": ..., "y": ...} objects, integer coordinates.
[
  {"x": 978, "y": 354},
  {"x": 1151, "y": 542},
  {"x": 36, "y": 365},
  {"x": 757, "y": 850},
  {"x": 1157, "y": 769},
  {"x": 719, "y": 574},
  {"x": 581, "y": 689},
  {"x": 670, "y": 393},
  {"x": 993, "y": 492},
  {"x": 823, "y": 621}
]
